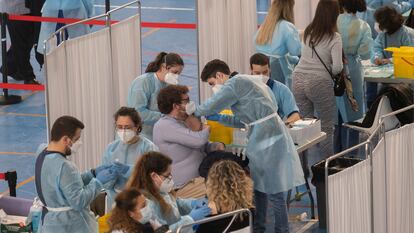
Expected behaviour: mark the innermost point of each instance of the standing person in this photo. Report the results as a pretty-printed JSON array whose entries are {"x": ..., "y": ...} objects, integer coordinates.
[
  {"x": 273, "y": 159},
  {"x": 64, "y": 192},
  {"x": 143, "y": 92},
  {"x": 126, "y": 149},
  {"x": 278, "y": 36},
  {"x": 357, "y": 44},
  {"x": 23, "y": 38},
  {"x": 78, "y": 9},
  {"x": 312, "y": 83}
]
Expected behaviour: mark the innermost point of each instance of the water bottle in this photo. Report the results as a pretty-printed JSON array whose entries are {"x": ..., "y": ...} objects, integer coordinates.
[{"x": 35, "y": 214}]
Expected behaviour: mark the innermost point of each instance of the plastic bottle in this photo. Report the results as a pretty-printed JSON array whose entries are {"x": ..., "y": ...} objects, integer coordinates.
[{"x": 35, "y": 214}]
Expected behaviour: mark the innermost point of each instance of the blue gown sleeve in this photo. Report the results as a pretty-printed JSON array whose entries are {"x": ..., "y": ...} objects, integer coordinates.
[
  {"x": 149, "y": 147},
  {"x": 90, "y": 10},
  {"x": 139, "y": 98},
  {"x": 78, "y": 195},
  {"x": 407, "y": 39},
  {"x": 230, "y": 121},
  {"x": 292, "y": 39},
  {"x": 184, "y": 205},
  {"x": 378, "y": 47},
  {"x": 401, "y": 7},
  {"x": 224, "y": 98},
  {"x": 287, "y": 100}
]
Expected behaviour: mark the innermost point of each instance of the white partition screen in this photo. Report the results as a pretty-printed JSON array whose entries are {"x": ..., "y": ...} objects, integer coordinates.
[{"x": 225, "y": 31}]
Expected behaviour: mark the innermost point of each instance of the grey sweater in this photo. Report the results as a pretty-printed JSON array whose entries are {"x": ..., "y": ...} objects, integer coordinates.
[
  {"x": 329, "y": 50},
  {"x": 185, "y": 147}
]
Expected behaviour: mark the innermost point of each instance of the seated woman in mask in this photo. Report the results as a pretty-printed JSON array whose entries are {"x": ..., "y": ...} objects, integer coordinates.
[
  {"x": 152, "y": 177},
  {"x": 132, "y": 215},
  {"x": 128, "y": 146}
]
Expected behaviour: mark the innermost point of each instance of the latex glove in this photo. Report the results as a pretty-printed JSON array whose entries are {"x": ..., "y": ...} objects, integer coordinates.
[
  {"x": 214, "y": 117},
  {"x": 200, "y": 213},
  {"x": 198, "y": 203},
  {"x": 101, "y": 168},
  {"x": 106, "y": 175},
  {"x": 120, "y": 168}
]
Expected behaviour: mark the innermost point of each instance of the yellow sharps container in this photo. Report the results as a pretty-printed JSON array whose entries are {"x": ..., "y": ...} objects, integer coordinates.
[
  {"x": 403, "y": 59},
  {"x": 219, "y": 132}
]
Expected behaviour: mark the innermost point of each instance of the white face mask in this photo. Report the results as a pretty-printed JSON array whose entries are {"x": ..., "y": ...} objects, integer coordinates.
[
  {"x": 146, "y": 214},
  {"x": 126, "y": 134},
  {"x": 190, "y": 108},
  {"x": 264, "y": 78},
  {"x": 171, "y": 78},
  {"x": 75, "y": 147},
  {"x": 216, "y": 88},
  {"x": 166, "y": 186},
  {"x": 377, "y": 28}
]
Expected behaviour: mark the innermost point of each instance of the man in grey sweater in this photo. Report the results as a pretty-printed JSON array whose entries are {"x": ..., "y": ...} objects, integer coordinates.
[{"x": 184, "y": 139}]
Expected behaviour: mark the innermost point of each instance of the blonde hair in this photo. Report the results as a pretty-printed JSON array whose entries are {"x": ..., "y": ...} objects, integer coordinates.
[
  {"x": 229, "y": 187},
  {"x": 280, "y": 9}
]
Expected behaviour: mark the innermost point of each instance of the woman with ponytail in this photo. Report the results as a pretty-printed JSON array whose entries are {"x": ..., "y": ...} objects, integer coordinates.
[{"x": 142, "y": 94}]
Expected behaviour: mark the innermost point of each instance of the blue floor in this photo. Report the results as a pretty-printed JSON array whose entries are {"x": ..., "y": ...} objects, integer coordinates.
[{"x": 23, "y": 126}]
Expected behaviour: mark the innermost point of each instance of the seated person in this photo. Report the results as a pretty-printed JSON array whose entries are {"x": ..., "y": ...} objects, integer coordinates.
[
  {"x": 228, "y": 189},
  {"x": 128, "y": 146},
  {"x": 152, "y": 177},
  {"x": 184, "y": 139},
  {"x": 131, "y": 215},
  {"x": 391, "y": 33},
  {"x": 287, "y": 108}
]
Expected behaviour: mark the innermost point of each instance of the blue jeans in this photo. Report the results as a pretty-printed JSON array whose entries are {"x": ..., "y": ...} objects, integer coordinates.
[{"x": 280, "y": 211}]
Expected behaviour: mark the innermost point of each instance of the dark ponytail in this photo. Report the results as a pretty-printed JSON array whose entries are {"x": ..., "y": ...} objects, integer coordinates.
[
  {"x": 155, "y": 65},
  {"x": 170, "y": 59}
]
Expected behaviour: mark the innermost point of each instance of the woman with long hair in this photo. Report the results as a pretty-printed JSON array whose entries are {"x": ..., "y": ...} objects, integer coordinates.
[
  {"x": 143, "y": 92},
  {"x": 312, "y": 83},
  {"x": 357, "y": 44},
  {"x": 152, "y": 176},
  {"x": 228, "y": 189},
  {"x": 278, "y": 38}
]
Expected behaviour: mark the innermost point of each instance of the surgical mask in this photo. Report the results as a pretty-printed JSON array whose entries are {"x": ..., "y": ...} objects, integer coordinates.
[
  {"x": 377, "y": 28},
  {"x": 190, "y": 108},
  {"x": 126, "y": 134},
  {"x": 146, "y": 214},
  {"x": 171, "y": 78},
  {"x": 264, "y": 78},
  {"x": 75, "y": 147},
  {"x": 216, "y": 88},
  {"x": 166, "y": 186}
]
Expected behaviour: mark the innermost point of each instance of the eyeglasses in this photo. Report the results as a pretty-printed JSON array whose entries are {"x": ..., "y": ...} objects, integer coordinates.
[
  {"x": 125, "y": 126},
  {"x": 168, "y": 178}
]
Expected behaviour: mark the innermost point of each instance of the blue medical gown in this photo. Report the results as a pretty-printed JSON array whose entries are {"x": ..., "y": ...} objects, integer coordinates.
[
  {"x": 357, "y": 44},
  {"x": 373, "y": 5},
  {"x": 273, "y": 159},
  {"x": 286, "y": 45},
  {"x": 142, "y": 96},
  {"x": 179, "y": 215},
  {"x": 127, "y": 154},
  {"x": 79, "y": 9},
  {"x": 63, "y": 186},
  {"x": 284, "y": 98},
  {"x": 402, "y": 37}
]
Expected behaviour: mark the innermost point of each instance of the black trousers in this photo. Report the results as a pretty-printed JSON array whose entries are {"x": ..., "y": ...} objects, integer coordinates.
[{"x": 23, "y": 37}]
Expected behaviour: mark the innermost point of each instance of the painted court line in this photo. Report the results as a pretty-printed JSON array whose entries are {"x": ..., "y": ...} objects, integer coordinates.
[
  {"x": 153, "y": 30},
  {"x": 30, "y": 179},
  {"x": 16, "y": 153}
]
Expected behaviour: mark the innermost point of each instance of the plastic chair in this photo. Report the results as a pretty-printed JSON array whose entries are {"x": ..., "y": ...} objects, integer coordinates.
[
  {"x": 384, "y": 107},
  {"x": 233, "y": 214}
]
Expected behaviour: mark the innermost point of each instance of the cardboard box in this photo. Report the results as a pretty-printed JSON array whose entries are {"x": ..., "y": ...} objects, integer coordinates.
[{"x": 303, "y": 131}]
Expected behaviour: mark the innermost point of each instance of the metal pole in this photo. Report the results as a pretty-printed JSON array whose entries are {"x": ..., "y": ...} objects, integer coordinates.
[
  {"x": 6, "y": 99},
  {"x": 107, "y": 6}
]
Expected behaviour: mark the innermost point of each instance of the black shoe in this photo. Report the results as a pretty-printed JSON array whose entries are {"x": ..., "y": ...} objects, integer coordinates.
[{"x": 32, "y": 82}]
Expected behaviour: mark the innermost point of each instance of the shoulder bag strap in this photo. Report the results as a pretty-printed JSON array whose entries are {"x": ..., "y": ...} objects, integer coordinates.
[{"x": 323, "y": 63}]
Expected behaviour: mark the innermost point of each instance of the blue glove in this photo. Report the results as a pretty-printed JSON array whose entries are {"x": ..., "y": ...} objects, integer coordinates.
[
  {"x": 106, "y": 175},
  {"x": 214, "y": 117},
  {"x": 120, "y": 168},
  {"x": 101, "y": 168},
  {"x": 198, "y": 203},
  {"x": 200, "y": 213}
]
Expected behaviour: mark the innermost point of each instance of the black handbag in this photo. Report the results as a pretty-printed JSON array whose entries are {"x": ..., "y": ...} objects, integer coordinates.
[{"x": 339, "y": 79}]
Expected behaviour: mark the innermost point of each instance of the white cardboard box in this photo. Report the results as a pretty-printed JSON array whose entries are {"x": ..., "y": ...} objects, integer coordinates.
[{"x": 303, "y": 131}]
